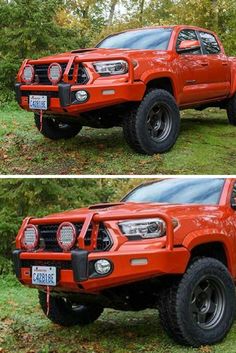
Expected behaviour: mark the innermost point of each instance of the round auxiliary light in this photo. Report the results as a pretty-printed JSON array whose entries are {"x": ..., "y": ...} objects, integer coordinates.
[
  {"x": 30, "y": 237},
  {"x": 66, "y": 236},
  {"x": 55, "y": 73},
  {"x": 28, "y": 74},
  {"x": 102, "y": 267},
  {"x": 81, "y": 96}
]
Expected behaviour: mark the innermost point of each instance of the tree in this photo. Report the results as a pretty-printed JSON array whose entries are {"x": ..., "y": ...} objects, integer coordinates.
[
  {"x": 113, "y": 4},
  {"x": 34, "y": 28},
  {"x": 38, "y": 197},
  {"x": 28, "y": 29}
]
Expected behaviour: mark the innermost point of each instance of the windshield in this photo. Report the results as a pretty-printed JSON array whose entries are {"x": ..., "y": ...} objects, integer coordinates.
[
  {"x": 181, "y": 191},
  {"x": 154, "y": 38}
]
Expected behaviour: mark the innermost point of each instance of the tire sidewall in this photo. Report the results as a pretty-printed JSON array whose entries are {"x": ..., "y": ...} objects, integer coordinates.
[
  {"x": 231, "y": 110},
  {"x": 54, "y": 132},
  {"x": 148, "y": 144},
  {"x": 62, "y": 313},
  {"x": 198, "y": 334}
]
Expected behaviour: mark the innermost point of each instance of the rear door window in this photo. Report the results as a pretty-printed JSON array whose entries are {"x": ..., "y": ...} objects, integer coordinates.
[{"x": 209, "y": 42}]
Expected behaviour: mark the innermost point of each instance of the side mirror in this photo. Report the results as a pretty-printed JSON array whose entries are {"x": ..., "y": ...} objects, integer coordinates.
[{"x": 187, "y": 46}]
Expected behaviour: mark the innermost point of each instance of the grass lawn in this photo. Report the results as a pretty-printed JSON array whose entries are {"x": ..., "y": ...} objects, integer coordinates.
[
  {"x": 25, "y": 329},
  {"x": 207, "y": 145}
]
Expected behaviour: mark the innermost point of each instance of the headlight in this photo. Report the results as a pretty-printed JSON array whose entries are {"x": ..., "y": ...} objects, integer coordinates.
[
  {"x": 115, "y": 67},
  {"x": 28, "y": 74},
  {"x": 66, "y": 236},
  {"x": 144, "y": 228},
  {"x": 30, "y": 237},
  {"x": 54, "y": 73}
]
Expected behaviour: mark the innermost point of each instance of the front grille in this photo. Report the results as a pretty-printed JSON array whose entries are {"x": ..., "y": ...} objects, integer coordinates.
[
  {"x": 41, "y": 74},
  {"x": 48, "y": 241},
  {"x": 63, "y": 265},
  {"x": 82, "y": 77}
]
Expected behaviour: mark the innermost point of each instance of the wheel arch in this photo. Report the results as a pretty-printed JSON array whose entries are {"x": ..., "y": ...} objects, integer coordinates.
[
  {"x": 217, "y": 248},
  {"x": 164, "y": 80}
]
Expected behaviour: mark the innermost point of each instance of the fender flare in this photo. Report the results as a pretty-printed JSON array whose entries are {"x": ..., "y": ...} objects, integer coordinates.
[
  {"x": 150, "y": 75},
  {"x": 207, "y": 236}
]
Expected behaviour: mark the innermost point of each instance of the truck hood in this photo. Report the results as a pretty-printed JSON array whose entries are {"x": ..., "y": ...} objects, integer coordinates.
[
  {"x": 92, "y": 53},
  {"x": 181, "y": 212}
]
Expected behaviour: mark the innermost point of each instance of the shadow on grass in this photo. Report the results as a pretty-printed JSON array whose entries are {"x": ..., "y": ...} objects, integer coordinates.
[{"x": 105, "y": 151}]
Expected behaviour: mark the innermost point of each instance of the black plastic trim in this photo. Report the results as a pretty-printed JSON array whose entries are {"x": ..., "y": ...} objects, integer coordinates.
[
  {"x": 64, "y": 92},
  {"x": 18, "y": 92},
  {"x": 79, "y": 260},
  {"x": 49, "y": 94},
  {"x": 17, "y": 262}
]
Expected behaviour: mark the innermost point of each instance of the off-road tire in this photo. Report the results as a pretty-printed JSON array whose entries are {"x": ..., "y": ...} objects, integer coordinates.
[
  {"x": 165, "y": 316},
  {"x": 231, "y": 110},
  {"x": 175, "y": 310},
  {"x": 135, "y": 123},
  {"x": 53, "y": 129},
  {"x": 61, "y": 311}
]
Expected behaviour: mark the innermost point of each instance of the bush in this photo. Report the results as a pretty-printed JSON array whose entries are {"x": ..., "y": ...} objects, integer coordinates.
[
  {"x": 38, "y": 197},
  {"x": 5, "y": 266}
]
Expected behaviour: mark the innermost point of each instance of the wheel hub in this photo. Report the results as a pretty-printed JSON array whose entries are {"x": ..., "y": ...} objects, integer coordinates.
[
  {"x": 159, "y": 122},
  {"x": 207, "y": 303}
]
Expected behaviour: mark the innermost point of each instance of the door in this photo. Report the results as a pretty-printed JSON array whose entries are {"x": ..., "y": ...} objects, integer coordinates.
[
  {"x": 192, "y": 70},
  {"x": 232, "y": 221},
  {"x": 218, "y": 66}
]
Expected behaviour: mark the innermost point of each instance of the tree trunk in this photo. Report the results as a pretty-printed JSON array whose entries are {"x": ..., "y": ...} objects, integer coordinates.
[
  {"x": 141, "y": 11},
  {"x": 215, "y": 13},
  {"x": 112, "y": 11}
]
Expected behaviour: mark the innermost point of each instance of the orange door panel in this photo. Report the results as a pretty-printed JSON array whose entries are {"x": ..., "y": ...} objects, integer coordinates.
[
  {"x": 194, "y": 76},
  {"x": 219, "y": 76}
]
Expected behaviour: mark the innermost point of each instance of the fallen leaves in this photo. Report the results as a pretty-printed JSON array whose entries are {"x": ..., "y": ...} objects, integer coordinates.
[
  {"x": 24, "y": 151},
  {"x": 206, "y": 349}
]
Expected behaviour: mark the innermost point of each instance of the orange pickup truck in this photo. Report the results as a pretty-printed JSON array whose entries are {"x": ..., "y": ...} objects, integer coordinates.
[
  {"x": 168, "y": 245},
  {"x": 138, "y": 79}
]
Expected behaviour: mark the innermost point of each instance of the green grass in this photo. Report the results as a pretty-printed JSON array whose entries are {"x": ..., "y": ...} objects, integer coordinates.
[
  {"x": 206, "y": 145},
  {"x": 25, "y": 329}
]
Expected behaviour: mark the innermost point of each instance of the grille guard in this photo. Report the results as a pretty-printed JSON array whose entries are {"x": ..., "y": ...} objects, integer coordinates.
[
  {"x": 76, "y": 59},
  {"x": 95, "y": 219}
]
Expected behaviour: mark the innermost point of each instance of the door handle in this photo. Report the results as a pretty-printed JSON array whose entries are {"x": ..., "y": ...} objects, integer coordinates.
[
  {"x": 225, "y": 63},
  {"x": 204, "y": 63}
]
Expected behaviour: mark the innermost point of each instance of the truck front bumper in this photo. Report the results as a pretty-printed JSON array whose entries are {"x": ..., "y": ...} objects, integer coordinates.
[
  {"x": 62, "y": 100},
  {"x": 75, "y": 272}
]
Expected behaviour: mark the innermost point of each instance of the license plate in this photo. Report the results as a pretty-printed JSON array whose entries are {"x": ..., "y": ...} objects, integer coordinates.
[
  {"x": 44, "y": 275},
  {"x": 38, "y": 102}
]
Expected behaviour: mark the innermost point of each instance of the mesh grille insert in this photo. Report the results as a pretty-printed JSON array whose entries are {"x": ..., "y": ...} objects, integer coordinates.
[
  {"x": 41, "y": 74},
  {"x": 48, "y": 241}
]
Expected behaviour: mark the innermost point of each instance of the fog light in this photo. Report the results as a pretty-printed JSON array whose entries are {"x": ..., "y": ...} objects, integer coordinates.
[
  {"x": 102, "y": 267},
  {"x": 28, "y": 74},
  {"x": 30, "y": 237},
  {"x": 81, "y": 96}
]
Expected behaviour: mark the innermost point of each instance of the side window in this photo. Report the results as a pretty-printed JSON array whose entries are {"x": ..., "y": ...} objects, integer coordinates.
[
  {"x": 188, "y": 34},
  {"x": 209, "y": 43},
  {"x": 233, "y": 195}
]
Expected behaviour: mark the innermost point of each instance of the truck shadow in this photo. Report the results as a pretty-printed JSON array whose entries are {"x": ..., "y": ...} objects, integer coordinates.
[
  {"x": 126, "y": 328},
  {"x": 203, "y": 121},
  {"x": 105, "y": 151}
]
